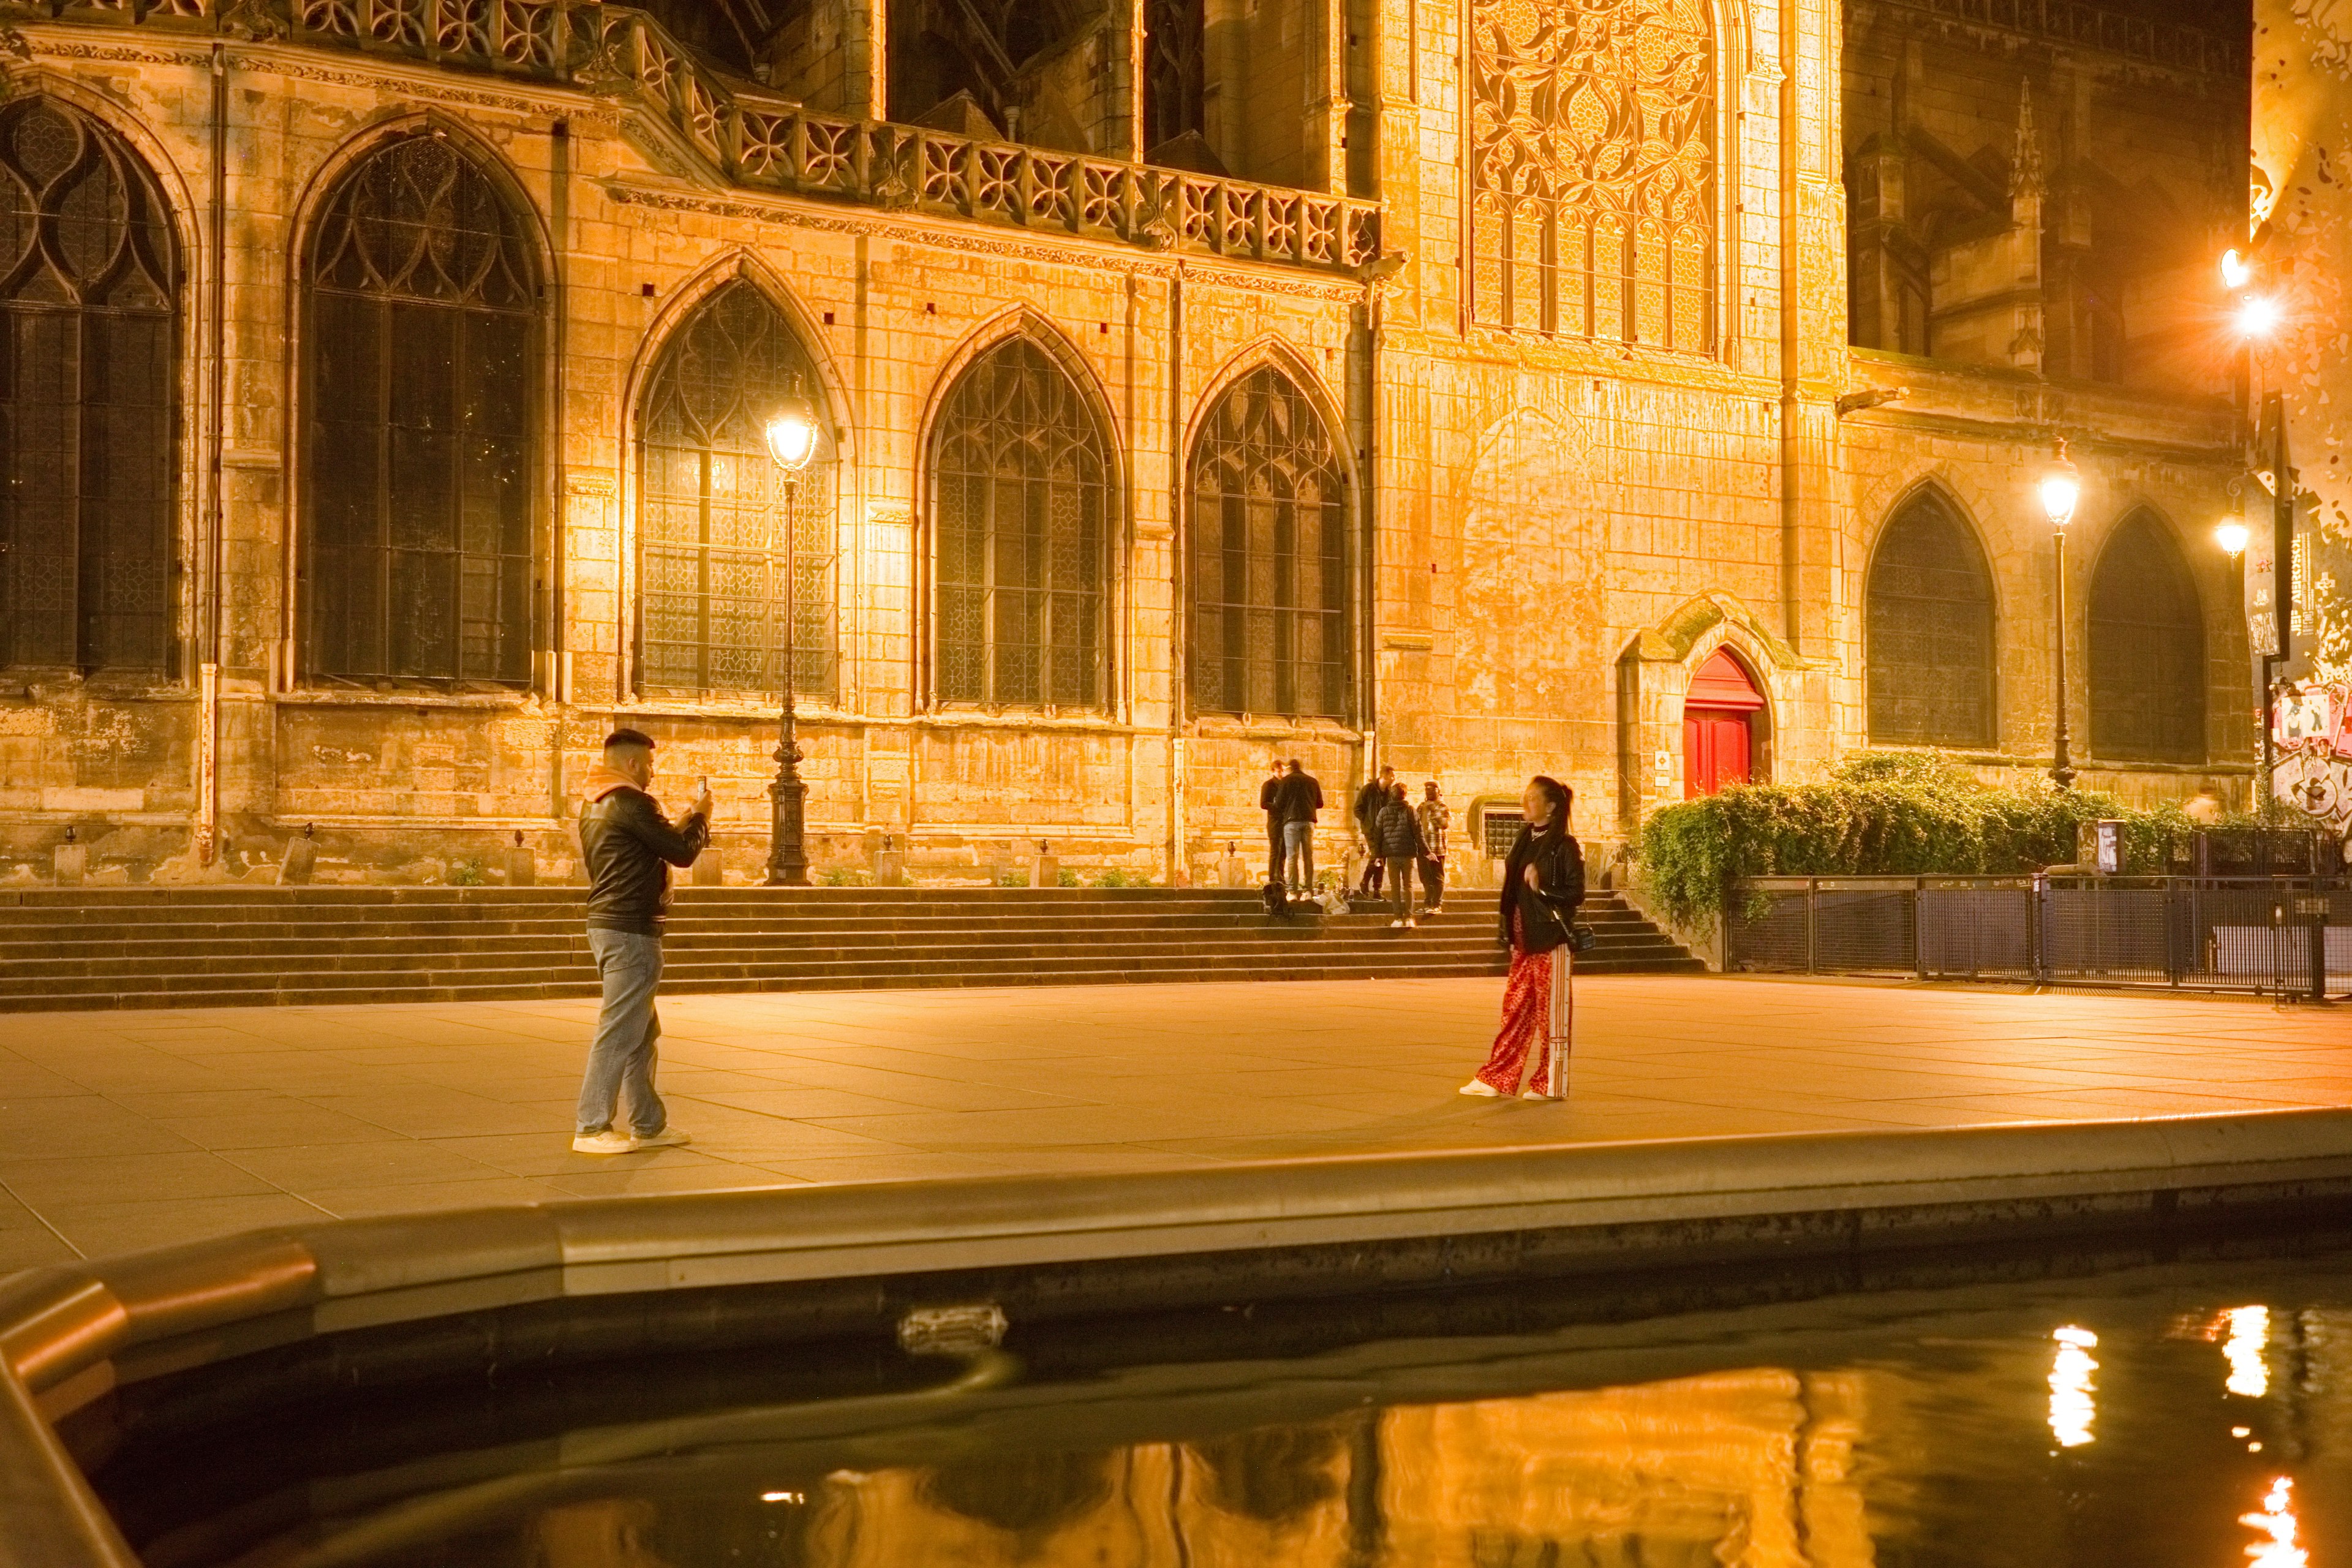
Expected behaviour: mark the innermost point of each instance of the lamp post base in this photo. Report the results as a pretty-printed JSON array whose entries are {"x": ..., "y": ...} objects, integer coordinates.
[{"x": 787, "y": 845}]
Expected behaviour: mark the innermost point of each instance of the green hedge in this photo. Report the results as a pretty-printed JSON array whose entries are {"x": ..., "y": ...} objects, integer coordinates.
[{"x": 1882, "y": 814}]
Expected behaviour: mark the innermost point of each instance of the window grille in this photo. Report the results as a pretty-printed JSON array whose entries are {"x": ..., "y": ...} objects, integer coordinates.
[
  {"x": 1269, "y": 558},
  {"x": 1500, "y": 830},
  {"x": 2147, "y": 649},
  {"x": 89, "y": 375},
  {"x": 1592, "y": 169},
  {"x": 419, "y": 461},
  {"x": 710, "y": 547},
  {"x": 1929, "y": 625},
  {"x": 1021, "y": 510}
]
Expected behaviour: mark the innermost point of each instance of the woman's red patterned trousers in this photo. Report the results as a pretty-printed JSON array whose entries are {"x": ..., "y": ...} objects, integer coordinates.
[{"x": 1538, "y": 1003}]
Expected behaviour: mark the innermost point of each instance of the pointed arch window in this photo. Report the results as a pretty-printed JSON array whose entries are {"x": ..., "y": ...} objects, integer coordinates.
[
  {"x": 1022, "y": 508},
  {"x": 1929, "y": 629},
  {"x": 1269, "y": 555},
  {"x": 89, "y": 380},
  {"x": 710, "y": 513},
  {"x": 419, "y": 456},
  {"x": 2147, "y": 649}
]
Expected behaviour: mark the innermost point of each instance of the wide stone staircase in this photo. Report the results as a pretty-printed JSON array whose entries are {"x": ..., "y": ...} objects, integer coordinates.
[{"x": 230, "y": 946}]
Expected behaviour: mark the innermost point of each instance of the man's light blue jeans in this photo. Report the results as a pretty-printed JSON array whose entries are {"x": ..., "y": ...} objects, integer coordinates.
[
  {"x": 1298, "y": 855},
  {"x": 621, "y": 1060}
]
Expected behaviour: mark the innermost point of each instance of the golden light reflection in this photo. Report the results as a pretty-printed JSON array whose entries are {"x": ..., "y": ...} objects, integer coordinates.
[
  {"x": 2250, "y": 1335},
  {"x": 2072, "y": 1409},
  {"x": 2275, "y": 1530}
]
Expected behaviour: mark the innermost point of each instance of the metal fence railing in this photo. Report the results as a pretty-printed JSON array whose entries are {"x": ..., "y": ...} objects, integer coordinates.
[{"x": 2287, "y": 936}]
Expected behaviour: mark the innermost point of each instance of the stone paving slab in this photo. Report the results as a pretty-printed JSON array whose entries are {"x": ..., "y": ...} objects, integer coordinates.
[{"x": 121, "y": 1131}]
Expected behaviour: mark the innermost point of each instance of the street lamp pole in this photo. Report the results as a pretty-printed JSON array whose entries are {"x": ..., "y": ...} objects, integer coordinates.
[
  {"x": 791, "y": 442},
  {"x": 2061, "y": 486}
]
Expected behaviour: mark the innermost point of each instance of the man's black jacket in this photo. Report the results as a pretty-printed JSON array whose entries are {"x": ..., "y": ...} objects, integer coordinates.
[
  {"x": 630, "y": 849},
  {"x": 1297, "y": 798}
]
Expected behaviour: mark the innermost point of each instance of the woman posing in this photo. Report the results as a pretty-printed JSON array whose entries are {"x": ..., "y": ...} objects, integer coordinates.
[{"x": 1543, "y": 882}]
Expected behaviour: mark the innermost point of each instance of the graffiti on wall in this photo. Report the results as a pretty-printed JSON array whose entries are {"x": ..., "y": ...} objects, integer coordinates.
[{"x": 2314, "y": 737}]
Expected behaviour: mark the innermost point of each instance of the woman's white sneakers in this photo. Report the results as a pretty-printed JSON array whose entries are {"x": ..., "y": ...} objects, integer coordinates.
[{"x": 1482, "y": 1088}]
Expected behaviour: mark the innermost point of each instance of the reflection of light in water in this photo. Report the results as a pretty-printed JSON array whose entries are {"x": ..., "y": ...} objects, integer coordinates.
[
  {"x": 2070, "y": 1409},
  {"x": 2274, "y": 1527},
  {"x": 2249, "y": 1333}
]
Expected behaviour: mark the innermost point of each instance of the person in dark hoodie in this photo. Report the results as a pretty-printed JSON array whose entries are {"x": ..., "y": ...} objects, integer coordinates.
[
  {"x": 1543, "y": 883},
  {"x": 1396, "y": 839},
  {"x": 629, "y": 847}
]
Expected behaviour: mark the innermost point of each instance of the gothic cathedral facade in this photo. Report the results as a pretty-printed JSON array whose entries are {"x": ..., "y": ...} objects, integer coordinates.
[{"x": 1645, "y": 391}]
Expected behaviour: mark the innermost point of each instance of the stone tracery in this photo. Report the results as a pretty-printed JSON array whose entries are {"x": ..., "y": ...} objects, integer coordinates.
[{"x": 1593, "y": 169}]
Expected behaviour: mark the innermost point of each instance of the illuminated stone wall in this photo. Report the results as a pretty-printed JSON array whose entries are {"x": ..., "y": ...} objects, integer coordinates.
[{"x": 1559, "y": 518}]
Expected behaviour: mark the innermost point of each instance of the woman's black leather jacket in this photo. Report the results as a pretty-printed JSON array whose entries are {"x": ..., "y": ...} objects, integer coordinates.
[{"x": 1545, "y": 910}]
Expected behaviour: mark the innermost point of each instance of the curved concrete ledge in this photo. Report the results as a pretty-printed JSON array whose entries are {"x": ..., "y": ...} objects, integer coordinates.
[{"x": 70, "y": 1335}]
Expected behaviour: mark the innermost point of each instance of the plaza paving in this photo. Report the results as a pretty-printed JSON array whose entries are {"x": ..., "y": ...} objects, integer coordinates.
[{"x": 126, "y": 1129}]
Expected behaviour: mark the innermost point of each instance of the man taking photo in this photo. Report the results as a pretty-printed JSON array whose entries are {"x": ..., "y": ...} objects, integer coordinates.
[{"x": 629, "y": 847}]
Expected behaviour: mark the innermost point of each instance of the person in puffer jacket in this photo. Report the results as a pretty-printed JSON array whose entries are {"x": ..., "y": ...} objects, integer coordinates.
[
  {"x": 1396, "y": 839},
  {"x": 629, "y": 847}
]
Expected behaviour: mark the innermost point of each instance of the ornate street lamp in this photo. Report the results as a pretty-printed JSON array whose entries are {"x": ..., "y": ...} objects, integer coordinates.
[
  {"x": 791, "y": 442},
  {"x": 2061, "y": 486}
]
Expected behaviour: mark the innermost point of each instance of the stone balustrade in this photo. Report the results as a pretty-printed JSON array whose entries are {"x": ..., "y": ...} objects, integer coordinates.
[{"x": 772, "y": 144}]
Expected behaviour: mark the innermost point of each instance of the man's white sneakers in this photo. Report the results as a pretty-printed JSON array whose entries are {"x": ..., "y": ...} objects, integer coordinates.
[
  {"x": 1482, "y": 1088},
  {"x": 612, "y": 1140}
]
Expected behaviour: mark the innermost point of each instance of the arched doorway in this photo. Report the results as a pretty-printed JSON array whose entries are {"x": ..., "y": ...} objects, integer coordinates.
[{"x": 1719, "y": 726}]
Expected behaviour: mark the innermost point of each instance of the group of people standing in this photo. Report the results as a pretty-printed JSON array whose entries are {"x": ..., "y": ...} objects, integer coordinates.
[
  {"x": 630, "y": 848},
  {"x": 1400, "y": 838}
]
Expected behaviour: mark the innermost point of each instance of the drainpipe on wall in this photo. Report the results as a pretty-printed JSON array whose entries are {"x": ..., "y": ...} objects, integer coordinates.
[
  {"x": 1368, "y": 352},
  {"x": 209, "y": 586},
  {"x": 1791, "y": 347},
  {"x": 558, "y": 686},
  {"x": 1178, "y": 651}
]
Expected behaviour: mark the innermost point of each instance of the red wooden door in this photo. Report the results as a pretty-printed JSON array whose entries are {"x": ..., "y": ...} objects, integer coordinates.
[
  {"x": 1717, "y": 750},
  {"x": 1718, "y": 726}
]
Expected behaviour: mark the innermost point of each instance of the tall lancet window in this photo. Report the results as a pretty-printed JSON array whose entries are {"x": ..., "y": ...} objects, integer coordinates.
[
  {"x": 1022, "y": 510},
  {"x": 88, "y": 384},
  {"x": 1269, "y": 555},
  {"x": 1929, "y": 631},
  {"x": 711, "y": 555},
  {"x": 419, "y": 460},
  {"x": 2147, "y": 649}
]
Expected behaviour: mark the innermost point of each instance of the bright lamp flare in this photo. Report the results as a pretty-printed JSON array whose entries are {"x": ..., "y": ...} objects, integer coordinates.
[
  {"x": 2275, "y": 1529},
  {"x": 2061, "y": 486},
  {"x": 2257, "y": 316},
  {"x": 2072, "y": 1408},
  {"x": 2233, "y": 537},
  {"x": 792, "y": 434},
  {"x": 2236, "y": 271},
  {"x": 2250, "y": 1335}
]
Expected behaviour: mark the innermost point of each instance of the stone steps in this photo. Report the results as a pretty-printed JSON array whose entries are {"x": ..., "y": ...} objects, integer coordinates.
[{"x": 237, "y": 946}]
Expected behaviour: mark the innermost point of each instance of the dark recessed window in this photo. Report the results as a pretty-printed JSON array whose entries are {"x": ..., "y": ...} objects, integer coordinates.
[
  {"x": 1022, "y": 508},
  {"x": 419, "y": 458},
  {"x": 1269, "y": 555},
  {"x": 2147, "y": 649},
  {"x": 89, "y": 376},
  {"x": 712, "y": 557},
  {"x": 1929, "y": 631}
]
